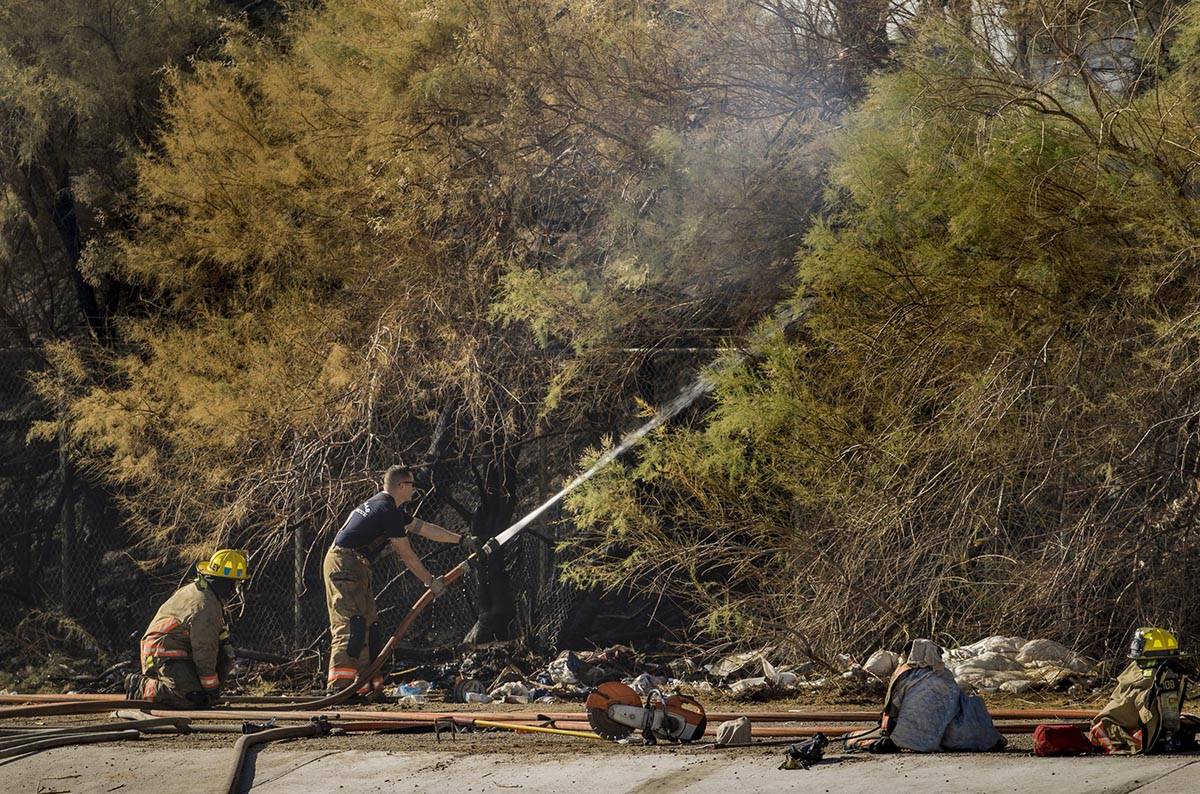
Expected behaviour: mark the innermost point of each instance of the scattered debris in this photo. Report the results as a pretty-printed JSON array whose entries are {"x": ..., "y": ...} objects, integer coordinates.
[
  {"x": 734, "y": 733},
  {"x": 738, "y": 663},
  {"x": 1018, "y": 666},
  {"x": 645, "y": 683},
  {"x": 882, "y": 664},
  {"x": 510, "y": 673},
  {"x": 464, "y": 688},
  {"x": 511, "y": 692},
  {"x": 994, "y": 664}
]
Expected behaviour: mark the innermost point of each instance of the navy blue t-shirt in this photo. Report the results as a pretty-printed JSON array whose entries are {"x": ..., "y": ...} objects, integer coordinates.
[{"x": 372, "y": 524}]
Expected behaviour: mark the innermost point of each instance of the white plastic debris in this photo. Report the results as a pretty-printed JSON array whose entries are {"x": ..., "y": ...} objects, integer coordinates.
[
  {"x": 856, "y": 674},
  {"x": 746, "y": 687},
  {"x": 784, "y": 679},
  {"x": 776, "y": 677},
  {"x": 511, "y": 692},
  {"x": 1018, "y": 686},
  {"x": 560, "y": 669},
  {"x": 645, "y": 683},
  {"x": 736, "y": 662},
  {"x": 734, "y": 733},
  {"x": 1044, "y": 651},
  {"x": 882, "y": 664},
  {"x": 996, "y": 662},
  {"x": 994, "y": 644}
]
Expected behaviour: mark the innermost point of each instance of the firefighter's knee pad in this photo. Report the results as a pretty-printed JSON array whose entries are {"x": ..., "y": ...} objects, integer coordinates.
[
  {"x": 358, "y": 635},
  {"x": 375, "y": 639}
]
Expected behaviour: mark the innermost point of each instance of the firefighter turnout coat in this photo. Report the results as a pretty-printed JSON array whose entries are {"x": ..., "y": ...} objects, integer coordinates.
[{"x": 182, "y": 646}]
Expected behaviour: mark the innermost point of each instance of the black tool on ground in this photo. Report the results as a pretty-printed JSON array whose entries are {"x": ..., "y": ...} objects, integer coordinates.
[
  {"x": 255, "y": 727},
  {"x": 802, "y": 755}
]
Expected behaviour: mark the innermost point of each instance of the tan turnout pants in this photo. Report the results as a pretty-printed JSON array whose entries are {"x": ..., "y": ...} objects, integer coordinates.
[
  {"x": 172, "y": 684},
  {"x": 352, "y": 616}
]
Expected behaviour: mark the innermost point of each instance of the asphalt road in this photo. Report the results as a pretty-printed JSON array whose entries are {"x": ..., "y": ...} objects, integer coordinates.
[{"x": 307, "y": 767}]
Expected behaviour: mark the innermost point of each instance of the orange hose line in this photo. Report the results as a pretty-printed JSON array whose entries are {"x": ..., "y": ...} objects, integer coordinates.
[{"x": 464, "y": 718}]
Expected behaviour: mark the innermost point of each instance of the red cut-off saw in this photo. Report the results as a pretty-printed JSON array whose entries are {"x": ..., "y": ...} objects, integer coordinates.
[{"x": 614, "y": 711}]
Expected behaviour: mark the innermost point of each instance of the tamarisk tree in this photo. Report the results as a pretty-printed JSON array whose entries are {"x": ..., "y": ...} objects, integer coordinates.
[{"x": 438, "y": 231}]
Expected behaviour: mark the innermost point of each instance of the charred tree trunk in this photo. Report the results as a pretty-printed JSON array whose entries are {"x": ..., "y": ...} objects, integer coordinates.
[
  {"x": 66, "y": 222},
  {"x": 68, "y": 576},
  {"x": 301, "y": 539},
  {"x": 498, "y": 500},
  {"x": 862, "y": 31},
  {"x": 1021, "y": 46}
]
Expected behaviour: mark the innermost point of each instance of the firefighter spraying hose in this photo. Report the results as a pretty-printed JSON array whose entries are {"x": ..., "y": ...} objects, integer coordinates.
[
  {"x": 702, "y": 385},
  {"x": 364, "y": 677}
]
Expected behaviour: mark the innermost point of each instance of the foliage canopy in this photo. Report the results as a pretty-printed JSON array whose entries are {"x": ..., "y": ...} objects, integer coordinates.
[
  {"x": 438, "y": 217},
  {"x": 986, "y": 420}
]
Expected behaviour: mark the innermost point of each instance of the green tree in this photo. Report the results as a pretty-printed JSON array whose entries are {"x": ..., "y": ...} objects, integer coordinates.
[
  {"x": 986, "y": 420},
  {"x": 435, "y": 220},
  {"x": 79, "y": 92},
  {"x": 79, "y": 97}
]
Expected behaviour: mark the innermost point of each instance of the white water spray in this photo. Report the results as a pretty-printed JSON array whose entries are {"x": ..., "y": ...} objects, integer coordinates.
[
  {"x": 785, "y": 314},
  {"x": 681, "y": 401}
]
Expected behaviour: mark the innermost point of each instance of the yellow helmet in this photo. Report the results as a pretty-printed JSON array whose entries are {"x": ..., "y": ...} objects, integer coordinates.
[
  {"x": 227, "y": 564},
  {"x": 1150, "y": 645}
]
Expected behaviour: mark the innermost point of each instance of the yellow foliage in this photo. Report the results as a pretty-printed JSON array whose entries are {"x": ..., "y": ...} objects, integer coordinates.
[{"x": 405, "y": 206}]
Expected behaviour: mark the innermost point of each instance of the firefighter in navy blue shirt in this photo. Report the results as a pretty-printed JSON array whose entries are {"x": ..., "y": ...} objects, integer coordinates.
[{"x": 383, "y": 520}]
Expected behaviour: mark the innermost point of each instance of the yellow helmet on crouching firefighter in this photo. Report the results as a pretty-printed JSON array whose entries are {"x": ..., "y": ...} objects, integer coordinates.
[
  {"x": 1151, "y": 645},
  {"x": 226, "y": 564}
]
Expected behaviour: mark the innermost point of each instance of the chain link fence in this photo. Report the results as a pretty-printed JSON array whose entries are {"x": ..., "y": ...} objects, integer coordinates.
[
  {"x": 67, "y": 572},
  {"x": 27, "y": 472}
]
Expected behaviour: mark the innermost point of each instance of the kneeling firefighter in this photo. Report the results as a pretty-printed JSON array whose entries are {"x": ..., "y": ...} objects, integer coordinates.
[
  {"x": 185, "y": 653},
  {"x": 1145, "y": 712}
]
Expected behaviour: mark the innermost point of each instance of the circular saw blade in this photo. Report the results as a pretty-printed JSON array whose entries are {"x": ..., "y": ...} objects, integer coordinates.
[{"x": 598, "y": 702}]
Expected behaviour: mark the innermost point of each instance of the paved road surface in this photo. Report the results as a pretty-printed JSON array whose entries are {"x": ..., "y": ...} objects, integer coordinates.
[{"x": 279, "y": 769}]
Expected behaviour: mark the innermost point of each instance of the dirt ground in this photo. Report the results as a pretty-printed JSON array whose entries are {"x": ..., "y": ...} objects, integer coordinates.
[
  {"x": 485, "y": 760},
  {"x": 524, "y": 745}
]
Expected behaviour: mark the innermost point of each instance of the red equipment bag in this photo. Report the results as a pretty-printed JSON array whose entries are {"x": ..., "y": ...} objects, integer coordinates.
[{"x": 1051, "y": 740}]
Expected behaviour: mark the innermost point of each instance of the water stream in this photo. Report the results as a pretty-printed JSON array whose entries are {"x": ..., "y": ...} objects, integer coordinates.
[{"x": 784, "y": 315}]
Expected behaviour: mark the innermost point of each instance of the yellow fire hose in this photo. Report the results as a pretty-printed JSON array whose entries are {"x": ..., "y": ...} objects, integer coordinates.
[{"x": 521, "y": 728}]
